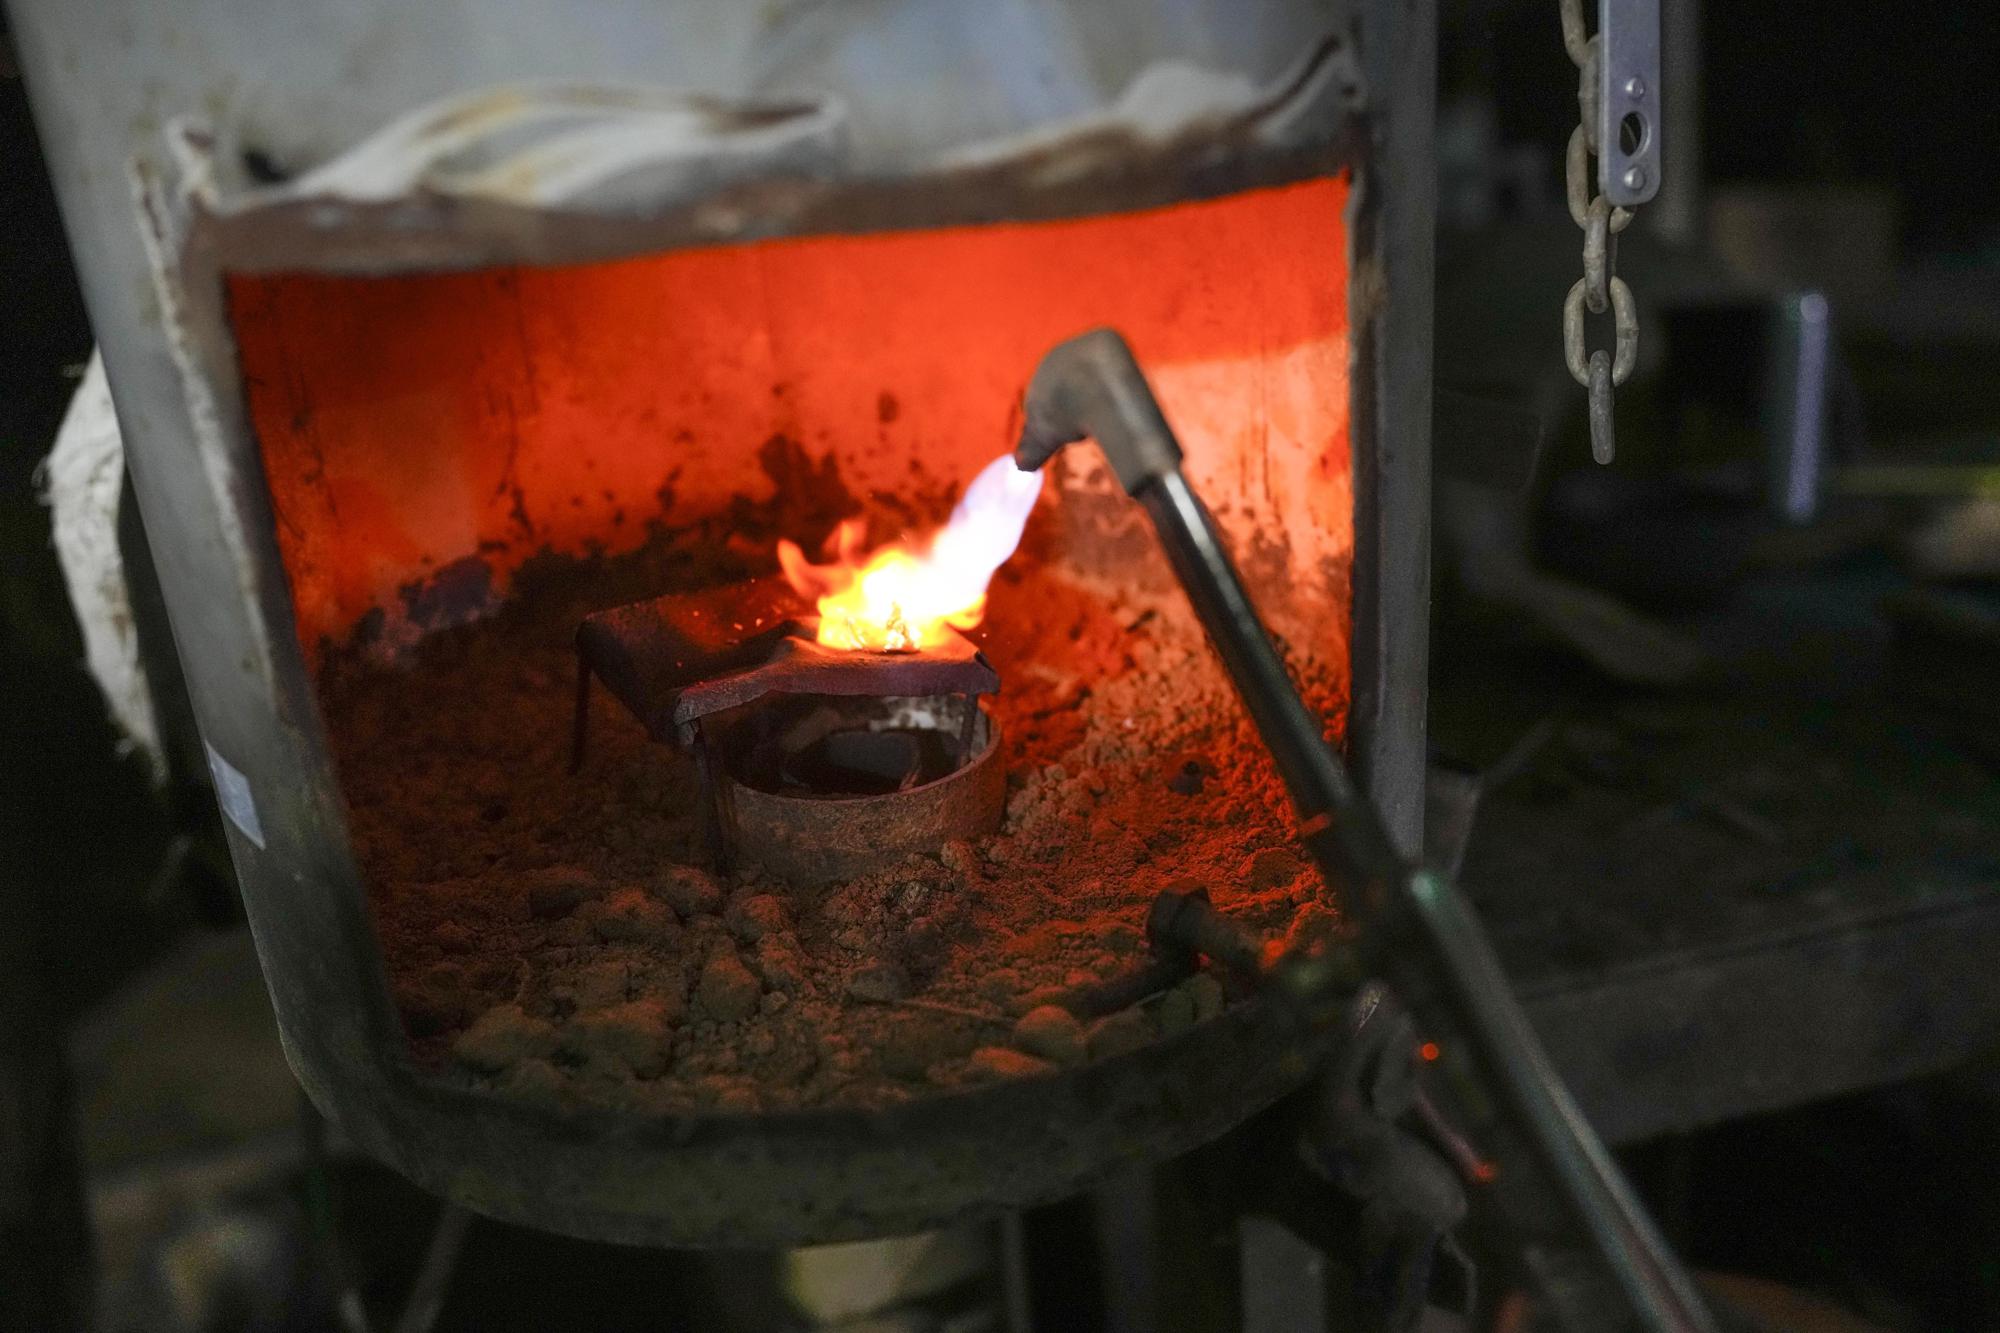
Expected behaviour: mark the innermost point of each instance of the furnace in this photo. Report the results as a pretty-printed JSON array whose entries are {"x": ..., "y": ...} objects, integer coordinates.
[
  {"x": 623, "y": 858},
  {"x": 850, "y": 947}
]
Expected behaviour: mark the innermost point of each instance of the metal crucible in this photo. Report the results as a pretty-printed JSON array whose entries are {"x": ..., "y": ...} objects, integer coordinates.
[
  {"x": 848, "y": 788},
  {"x": 818, "y": 763}
]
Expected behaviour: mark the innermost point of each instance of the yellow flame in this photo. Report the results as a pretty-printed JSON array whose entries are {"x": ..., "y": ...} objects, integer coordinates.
[
  {"x": 900, "y": 599},
  {"x": 891, "y": 601}
]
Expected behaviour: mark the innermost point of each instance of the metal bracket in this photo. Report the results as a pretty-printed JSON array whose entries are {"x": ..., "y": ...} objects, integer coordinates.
[{"x": 1628, "y": 101}]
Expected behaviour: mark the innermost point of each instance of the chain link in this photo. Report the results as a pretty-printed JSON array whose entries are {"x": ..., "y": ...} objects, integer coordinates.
[{"x": 1600, "y": 288}]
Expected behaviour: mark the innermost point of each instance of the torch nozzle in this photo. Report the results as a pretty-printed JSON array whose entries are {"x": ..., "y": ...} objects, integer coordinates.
[
  {"x": 1092, "y": 386},
  {"x": 1039, "y": 441}
]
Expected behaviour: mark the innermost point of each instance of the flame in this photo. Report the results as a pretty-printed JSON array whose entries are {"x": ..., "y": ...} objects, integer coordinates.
[{"x": 900, "y": 599}]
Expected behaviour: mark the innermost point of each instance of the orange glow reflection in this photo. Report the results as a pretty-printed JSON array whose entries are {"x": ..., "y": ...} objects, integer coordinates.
[{"x": 418, "y": 427}]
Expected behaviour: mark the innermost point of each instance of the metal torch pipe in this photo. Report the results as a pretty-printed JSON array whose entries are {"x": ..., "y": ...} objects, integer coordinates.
[
  {"x": 1423, "y": 934},
  {"x": 1319, "y": 784},
  {"x": 1470, "y": 981}
]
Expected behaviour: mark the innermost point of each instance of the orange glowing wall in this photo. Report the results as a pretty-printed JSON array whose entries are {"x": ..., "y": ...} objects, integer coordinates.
[{"x": 409, "y": 422}]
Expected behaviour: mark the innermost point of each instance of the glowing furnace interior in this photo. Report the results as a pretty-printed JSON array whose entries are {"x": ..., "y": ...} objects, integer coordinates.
[
  {"x": 462, "y": 464},
  {"x": 410, "y": 423}
]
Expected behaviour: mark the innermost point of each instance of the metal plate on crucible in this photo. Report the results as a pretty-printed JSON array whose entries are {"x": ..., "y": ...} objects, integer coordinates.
[{"x": 681, "y": 657}]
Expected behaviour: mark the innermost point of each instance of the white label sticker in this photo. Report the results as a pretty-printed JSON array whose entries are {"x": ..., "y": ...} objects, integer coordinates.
[{"x": 232, "y": 792}]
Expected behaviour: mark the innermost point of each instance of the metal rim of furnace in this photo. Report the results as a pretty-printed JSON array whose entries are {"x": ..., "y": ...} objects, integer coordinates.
[{"x": 736, "y": 1179}]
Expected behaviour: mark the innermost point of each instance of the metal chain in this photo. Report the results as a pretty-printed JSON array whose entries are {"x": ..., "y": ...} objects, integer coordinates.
[{"x": 1600, "y": 288}]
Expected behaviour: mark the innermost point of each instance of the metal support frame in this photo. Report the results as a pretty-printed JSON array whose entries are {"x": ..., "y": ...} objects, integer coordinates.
[{"x": 1393, "y": 271}]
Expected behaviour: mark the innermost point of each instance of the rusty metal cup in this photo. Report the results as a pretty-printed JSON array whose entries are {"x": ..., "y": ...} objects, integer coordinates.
[{"x": 810, "y": 839}]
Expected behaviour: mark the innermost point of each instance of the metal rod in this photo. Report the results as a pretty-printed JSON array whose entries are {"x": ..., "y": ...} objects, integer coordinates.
[
  {"x": 1318, "y": 783},
  {"x": 1421, "y": 933},
  {"x": 710, "y": 775},
  {"x": 1456, "y": 967},
  {"x": 1095, "y": 999},
  {"x": 433, "y": 1281}
]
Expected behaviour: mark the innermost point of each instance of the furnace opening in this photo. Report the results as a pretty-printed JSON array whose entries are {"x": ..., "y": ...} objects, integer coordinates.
[{"x": 466, "y": 467}]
